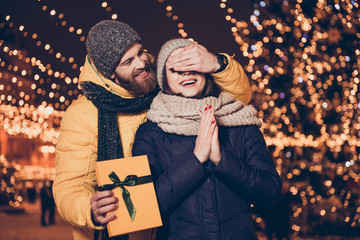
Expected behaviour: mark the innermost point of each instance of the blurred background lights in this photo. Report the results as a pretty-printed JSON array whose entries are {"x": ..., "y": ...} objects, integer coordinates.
[{"x": 302, "y": 58}]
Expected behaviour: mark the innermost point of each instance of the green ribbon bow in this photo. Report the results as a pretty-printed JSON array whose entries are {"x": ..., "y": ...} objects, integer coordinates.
[{"x": 130, "y": 180}]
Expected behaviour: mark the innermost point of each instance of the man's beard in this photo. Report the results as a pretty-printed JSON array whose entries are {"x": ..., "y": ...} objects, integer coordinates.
[{"x": 141, "y": 87}]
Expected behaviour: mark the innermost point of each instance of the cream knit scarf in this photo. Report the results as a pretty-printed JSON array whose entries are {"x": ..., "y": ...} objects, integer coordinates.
[{"x": 179, "y": 115}]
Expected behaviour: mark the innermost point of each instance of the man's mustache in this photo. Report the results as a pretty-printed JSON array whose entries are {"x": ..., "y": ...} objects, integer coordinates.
[{"x": 146, "y": 68}]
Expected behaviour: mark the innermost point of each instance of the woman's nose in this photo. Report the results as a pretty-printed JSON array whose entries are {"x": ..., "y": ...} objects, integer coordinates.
[{"x": 186, "y": 73}]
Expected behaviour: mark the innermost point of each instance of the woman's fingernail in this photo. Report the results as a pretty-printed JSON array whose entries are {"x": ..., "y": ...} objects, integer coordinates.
[
  {"x": 210, "y": 106},
  {"x": 206, "y": 108}
]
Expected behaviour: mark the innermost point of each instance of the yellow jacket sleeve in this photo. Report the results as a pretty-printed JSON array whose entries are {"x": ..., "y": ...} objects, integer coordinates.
[
  {"x": 75, "y": 181},
  {"x": 234, "y": 81}
]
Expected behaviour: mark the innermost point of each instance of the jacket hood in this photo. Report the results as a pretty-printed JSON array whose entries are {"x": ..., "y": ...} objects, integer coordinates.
[{"x": 89, "y": 73}]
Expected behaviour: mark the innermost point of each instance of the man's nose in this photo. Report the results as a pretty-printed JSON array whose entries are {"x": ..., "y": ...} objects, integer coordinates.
[{"x": 140, "y": 63}]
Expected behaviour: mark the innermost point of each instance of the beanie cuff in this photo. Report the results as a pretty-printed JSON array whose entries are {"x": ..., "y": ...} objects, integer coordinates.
[{"x": 164, "y": 54}]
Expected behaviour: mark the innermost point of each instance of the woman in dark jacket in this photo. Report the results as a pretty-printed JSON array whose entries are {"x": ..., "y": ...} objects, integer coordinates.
[{"x": 207, "y": 156}]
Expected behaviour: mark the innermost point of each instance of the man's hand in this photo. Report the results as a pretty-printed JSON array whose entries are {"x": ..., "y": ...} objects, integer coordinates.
[
  {"x": 102, "y": 203},
  {"x": 195, "y": 58},
  {"x": 203, "y": 141}
]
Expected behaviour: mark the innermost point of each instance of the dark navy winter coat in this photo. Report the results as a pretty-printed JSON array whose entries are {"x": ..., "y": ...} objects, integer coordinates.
[{"x": 203, "y": 201}]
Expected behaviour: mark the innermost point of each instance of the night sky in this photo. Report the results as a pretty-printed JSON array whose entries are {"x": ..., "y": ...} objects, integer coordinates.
[{"x": 203, "y": 20}]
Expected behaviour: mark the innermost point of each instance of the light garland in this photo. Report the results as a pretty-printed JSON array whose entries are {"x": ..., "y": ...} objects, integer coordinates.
[
  {"x": 9, "y": 185},
  {"x": 303, "y": 72},
  {"x": 108, "y": 9},
  {"x": 64, "y": 23},
  {"x": 32, "y": 122},
  {"x": 175, "y": 18},
  {"x": 47, "y": 46},
  {"x": 36, "y": 80}
]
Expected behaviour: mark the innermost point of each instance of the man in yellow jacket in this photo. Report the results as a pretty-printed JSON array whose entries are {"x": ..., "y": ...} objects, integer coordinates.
[{"x": 118, "y": 81}]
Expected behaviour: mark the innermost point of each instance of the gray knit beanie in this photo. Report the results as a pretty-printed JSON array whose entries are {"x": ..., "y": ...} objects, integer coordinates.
[
  {"x": 164, "y": 53},
  {"x": 106, "y": 43}
]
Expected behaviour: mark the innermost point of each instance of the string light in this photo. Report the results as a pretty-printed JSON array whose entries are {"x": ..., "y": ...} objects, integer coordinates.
[
  {"x": 175, "y": 18},
  {"x": 32, "y": 122},
  {"x": 38, "y": 80},
  {"x": 47, "y": 46},
  {"x": 9, "y": 187},
  {"x": 263, "y": 75},
  {"x": 108, "y": 9},
  {"x": 60, "y": 16}
]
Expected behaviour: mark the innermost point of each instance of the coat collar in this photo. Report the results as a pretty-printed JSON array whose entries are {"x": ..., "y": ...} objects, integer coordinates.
[{"x": 91, "y": 74}]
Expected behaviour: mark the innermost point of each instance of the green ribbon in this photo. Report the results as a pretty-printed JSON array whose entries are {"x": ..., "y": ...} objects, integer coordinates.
[{"x": 130, "y": 180}]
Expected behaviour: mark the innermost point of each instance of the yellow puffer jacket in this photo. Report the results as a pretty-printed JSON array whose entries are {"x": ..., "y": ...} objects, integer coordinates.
[{"x": 76, "y": 151}]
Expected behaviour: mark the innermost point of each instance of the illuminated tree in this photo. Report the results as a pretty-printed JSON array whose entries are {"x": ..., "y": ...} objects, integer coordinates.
[
  {"x": 303, "y": 58},
  {"x": 9, "y": 188}
]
